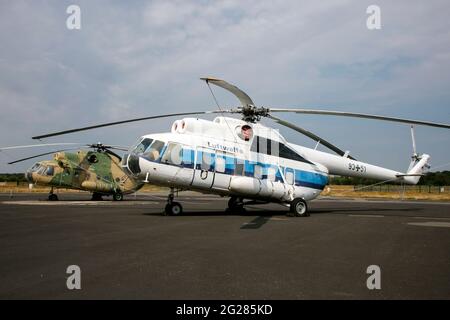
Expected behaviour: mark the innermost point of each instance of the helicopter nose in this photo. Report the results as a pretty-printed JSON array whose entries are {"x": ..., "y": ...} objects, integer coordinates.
[
  {"x": 133, "y": 164},
  {"x": 29, "y": 176}
]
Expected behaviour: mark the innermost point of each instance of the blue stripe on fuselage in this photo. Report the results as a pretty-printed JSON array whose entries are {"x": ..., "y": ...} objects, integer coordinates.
[{"x": 303, "y": 178}]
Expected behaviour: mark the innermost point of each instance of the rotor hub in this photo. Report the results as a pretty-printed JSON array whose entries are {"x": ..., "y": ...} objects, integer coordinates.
[{"x": 251, "y": 113}]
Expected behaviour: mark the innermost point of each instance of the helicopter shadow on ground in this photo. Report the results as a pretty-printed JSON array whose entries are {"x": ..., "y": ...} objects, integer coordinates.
[
  {"x": 260, "y": 217},
  {"x": 282, "y": 212},
  {"x": 223, "y": 212}
]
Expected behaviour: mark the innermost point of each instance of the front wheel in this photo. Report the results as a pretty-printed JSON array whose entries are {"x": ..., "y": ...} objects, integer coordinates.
[
  {"x": 299, "y": 208},
  {"x": 52, "y": 197},
  {"x": 117, "y": 196},
  {"x": 173, "y": 209}
]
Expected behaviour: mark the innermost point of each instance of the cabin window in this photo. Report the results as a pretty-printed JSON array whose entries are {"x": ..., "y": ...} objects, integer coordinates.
[
  {"x": 154, "y": 151},
  {"x": 260, "y": 145},
  {"x": 275, "y": 148},
  {"x": 245, "y": 132},
  {"x": 288, "y": 153},
  {"x": 173, "y": 153},
  {"x": 289, "y": 176},
  {"x": 50, "y": 171},
  {"x": 220, "y": 164},
  {"x": 207, "y": 163}
]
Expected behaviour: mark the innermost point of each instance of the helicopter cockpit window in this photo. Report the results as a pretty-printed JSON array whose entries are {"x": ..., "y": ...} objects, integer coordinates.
[
  {"x": 154, "y": 151},
  {"x": 41, "y": 170},
  {"x": 141, "y": 146},
  {"x": 35, "y": 167}
]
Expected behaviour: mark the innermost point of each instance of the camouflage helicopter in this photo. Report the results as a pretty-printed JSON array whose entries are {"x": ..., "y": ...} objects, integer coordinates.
[{"x": 97, "y": 171}]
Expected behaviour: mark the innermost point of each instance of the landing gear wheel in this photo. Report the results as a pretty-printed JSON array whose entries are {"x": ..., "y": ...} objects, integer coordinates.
[
  {"x": 235, "y": 205},
  {"x": 52, "y": 197},
  {"x": 96, "y": 197},
  {"x": 118, "y": 196},
  {"x": 299, "y": 208},
  {"x": 173, "y": 209}
]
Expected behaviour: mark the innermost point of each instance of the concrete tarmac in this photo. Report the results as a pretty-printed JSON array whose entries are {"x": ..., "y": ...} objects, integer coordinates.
[{"x": 128, "y": 250}]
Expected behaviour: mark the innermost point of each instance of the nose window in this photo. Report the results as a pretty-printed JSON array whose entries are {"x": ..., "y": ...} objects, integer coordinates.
[
  {"x": 35, "y": 167},
  {"x": 41, "y": 170},
  {"x": 141, "y": 146}
]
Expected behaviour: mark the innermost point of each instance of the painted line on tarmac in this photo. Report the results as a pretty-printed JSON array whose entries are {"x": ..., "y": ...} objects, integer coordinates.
[
  {"x": 438, "y": 224},
  {"x": 432, "y": 218},
  {"x": 366, "y": 215},
  {"x": 78, "y": 203}
]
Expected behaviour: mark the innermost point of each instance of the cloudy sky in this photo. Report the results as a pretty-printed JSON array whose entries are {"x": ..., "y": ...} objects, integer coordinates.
[{"x": 139, "y": 58}]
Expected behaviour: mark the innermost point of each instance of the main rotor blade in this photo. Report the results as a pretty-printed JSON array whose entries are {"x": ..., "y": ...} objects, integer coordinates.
[
  {"x": 40, "y": 145},
  {"x": 113, "y": 153},
  {"x": 39, "y": 155},
  {"x": 361, "y": 115},
  {"x": 311, "y": 135},
  {"x": 117, "y": 148},
  {"x": 241, "y": 95},
  {"x": 121, "y": 122}
]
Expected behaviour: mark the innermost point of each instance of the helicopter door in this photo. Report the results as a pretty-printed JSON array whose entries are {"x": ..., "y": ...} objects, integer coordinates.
[
  {"x": 181, "y": 160},
  {"x": 223, "y": 170},
  {"x": 289, "y": 177},
  {"x": 204, "y": 168}
]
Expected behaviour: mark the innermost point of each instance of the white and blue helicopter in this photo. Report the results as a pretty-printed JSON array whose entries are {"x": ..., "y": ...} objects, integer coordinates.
[{"x": 247, "y": 161}]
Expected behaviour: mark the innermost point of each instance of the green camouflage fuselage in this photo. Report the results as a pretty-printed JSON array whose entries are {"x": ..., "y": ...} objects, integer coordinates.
[{"x": 93, "y": 171}]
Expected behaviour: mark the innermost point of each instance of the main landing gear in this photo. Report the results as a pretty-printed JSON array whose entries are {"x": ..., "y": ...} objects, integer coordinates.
[
  {"x": 96, "y": 197},
  {"x": 52, "y": 196},
  {"x": 236, "y": 205},
  {"x": 117, "y": 196},
  {"x": 298, "y": 208},
  {"x": 173, "y": 208}
]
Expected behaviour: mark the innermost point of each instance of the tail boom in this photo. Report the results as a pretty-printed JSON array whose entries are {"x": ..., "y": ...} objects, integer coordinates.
[{"x": 343, "y": 166}]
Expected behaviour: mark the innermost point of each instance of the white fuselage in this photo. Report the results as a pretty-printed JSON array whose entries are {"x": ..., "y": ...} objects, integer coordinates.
[
  {"x": 211, "y": 157},
  {"x": 233, "y": 158}
]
